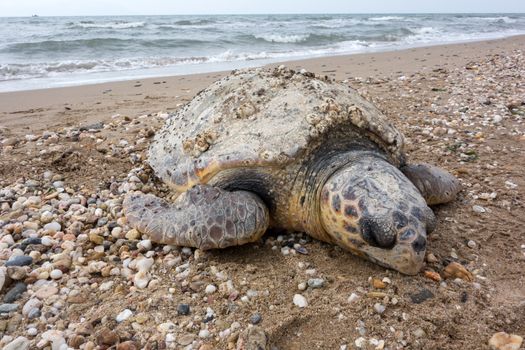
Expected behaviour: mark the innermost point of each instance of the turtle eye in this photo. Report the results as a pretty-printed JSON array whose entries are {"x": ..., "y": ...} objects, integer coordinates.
[{"x": 407, "y": 235}]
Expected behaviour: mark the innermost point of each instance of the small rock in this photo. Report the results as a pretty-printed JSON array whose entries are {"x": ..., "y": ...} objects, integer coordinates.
[
  {"x": 421, "y": 296},
  {"x": 252, "y": 338},
  {"x": 127, "y": 345},
  {"x": 7, "y": 308},
  {"x": 19, "y": 260},
  {"x": 15, "y": 292},
  {"x": 183, "y": 309},
  {"x": 144, "y": 245},
  {"x": 46, "y": 292},
  {"x": 456, "y": 270},
  {"x": 471, "y": 244},
  {"x": 16, "y": 272},
  {"x": 30, "y": 305},
  {"x": 301, "y": 286},
  {"x": 76, "y": 340},
  {"x": 210, "y": 288},
  {"x": 377, "y": 283},
  {"x": 352, "y": 298},
  {"x": 419, "y": 333},
  {"x": 185, "y": 339},
  {"x": 431, "y": 258},
  {"x": 52, "y": 226},
  {"x": 479, "y": 209},
  {"x": 300, "y": 301},
  {"x": 204, "y": 333},
  {"x": 124, "y": 315},
  {"x": 316, "y": 283},
  {"x": 255, "y": 318},
  {"x": 56, "y": 274},
  {"x": 505, "y": 341},
  {"x": 432, "y": 275},
  {"x": 107, "y": 337},
  {"x": 379, "y": 308},
  {"x": 20, "y": 343}
]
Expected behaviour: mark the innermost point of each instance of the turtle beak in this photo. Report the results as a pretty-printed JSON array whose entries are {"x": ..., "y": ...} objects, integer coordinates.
[{"x": 406, "y": 256}]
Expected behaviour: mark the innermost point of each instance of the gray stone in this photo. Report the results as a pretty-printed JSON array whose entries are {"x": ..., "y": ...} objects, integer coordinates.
[
  {"x": 15, "y": 292},
  {"x": 19, "y": 260},
  {"x": 20, "y": 343},
  {"x": 316, "y": 283},
  {"x": 7, "y": 308}
]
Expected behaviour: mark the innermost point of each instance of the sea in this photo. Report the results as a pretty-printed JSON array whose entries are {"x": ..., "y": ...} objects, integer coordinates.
[{"x": 44, "y": 52}]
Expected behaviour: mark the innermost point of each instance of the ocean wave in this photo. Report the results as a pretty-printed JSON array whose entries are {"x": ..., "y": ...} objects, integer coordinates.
[
  {"x": 193, "y": 22},
  {"x": 386, "y": 18},
  {"x": 82, "y": 45},
  {"x": 499, "y": 19},
  {"x": 107, "y": 25},
  {"x": 279, "y": 38}
]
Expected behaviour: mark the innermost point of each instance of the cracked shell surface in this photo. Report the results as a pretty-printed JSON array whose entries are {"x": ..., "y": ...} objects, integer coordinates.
[{"x": 262, "y": 118}]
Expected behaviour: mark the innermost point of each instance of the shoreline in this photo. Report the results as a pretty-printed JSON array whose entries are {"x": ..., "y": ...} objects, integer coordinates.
[
  {"x": 217, "y": 67},
  {"x": 35, "y": 110}
]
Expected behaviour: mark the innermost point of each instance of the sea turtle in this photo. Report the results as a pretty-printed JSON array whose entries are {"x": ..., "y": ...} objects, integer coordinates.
[{"x": 285, "y": 149}]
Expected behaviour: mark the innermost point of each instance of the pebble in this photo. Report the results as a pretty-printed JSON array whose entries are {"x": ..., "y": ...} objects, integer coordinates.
[
  {"x": 421, "y": 296},
  {"x": 52, "y": 226},
  {"x": 255, "y": 318},
  {"x": 20, "y": 260},
  {"x": 479, "y": 209},
  {"x": 352, "y": 298},
  {"x": 316, "y": 283},
  {"x": 456, "y": 270},
  {"x": 20, "y": 343},
  {"x": 141, "y": 280},
  {"x": 204, "y": 333},
  {"x": 56, "y": 274},
  {"x": 210, "y": 288},
  {"x": 45, "y": 292},
  {"x": 107, "y": 337},
  {"x": 379, "y": 308},
  {"x": 300, "y": 301},
  {"x": 471, "y": 244},
  {"x": 183, "y": 309},
  {"x": 301, "y": 286},
  {"x": 419, "y": 333},
  {"x": 16, "y": 272},
  {"x": 30, "y": 306},
  {"x": 15, "y": 292},
  {"x": 7, "y": 308},
  {"x": 505, "y": 341},
  {"x": 124, "y": 315}
]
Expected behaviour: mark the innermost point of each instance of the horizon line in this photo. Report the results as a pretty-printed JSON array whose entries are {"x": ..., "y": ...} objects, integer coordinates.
[{"x": 275, "y": 14}]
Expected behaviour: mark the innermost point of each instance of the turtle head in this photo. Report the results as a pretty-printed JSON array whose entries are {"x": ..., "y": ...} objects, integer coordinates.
[{"x": 370, "y": 208}]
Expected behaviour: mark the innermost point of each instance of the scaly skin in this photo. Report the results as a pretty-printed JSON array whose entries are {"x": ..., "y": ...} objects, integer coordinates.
[
  {"x": 203, "y": 217},
  {"x": 371, "y": 209}
]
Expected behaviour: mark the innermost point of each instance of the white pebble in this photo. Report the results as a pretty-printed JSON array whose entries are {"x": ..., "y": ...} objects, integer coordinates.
[
  {"x": 300, "y": 301},
  {"x": 204, "y": 333},
  {"x": 124, "y": 315},
  {"x": 379, "y": 308},
  {"x": 144, "y": 245},
  {"x": 471, "y": 244},
  {"x": 478, "y": 209},
  {"x": 210, "y": 288},
  {"x": 352, "y": 298},
  {"x": 56, "y": 274}
]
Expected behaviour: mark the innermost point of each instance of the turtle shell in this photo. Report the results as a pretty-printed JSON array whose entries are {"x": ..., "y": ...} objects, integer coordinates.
[{"x": 261, "y": 118}]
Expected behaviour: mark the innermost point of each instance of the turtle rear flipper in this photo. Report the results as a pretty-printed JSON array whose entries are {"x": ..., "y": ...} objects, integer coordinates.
[
  {"x": 436, "y": 185},
  {"x": 203, "y": 217}
]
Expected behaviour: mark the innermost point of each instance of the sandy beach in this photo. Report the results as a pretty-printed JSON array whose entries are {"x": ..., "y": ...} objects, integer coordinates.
[{"x": 69, "y": 155}]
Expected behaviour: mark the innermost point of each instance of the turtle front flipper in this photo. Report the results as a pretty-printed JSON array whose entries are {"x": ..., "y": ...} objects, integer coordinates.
[
  {"x": 436, "y": 185},
  {"x": 203, "y": 217}
]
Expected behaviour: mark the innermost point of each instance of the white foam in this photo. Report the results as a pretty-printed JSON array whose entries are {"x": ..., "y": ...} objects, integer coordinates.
[
  {"x": 279, "y": 38},
  {"x": 386, "y": 18},
  {"x": 112, "y": 25}
]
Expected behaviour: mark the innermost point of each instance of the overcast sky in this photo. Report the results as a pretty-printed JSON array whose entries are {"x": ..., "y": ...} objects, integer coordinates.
[{"x": 172, "y": 7}]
